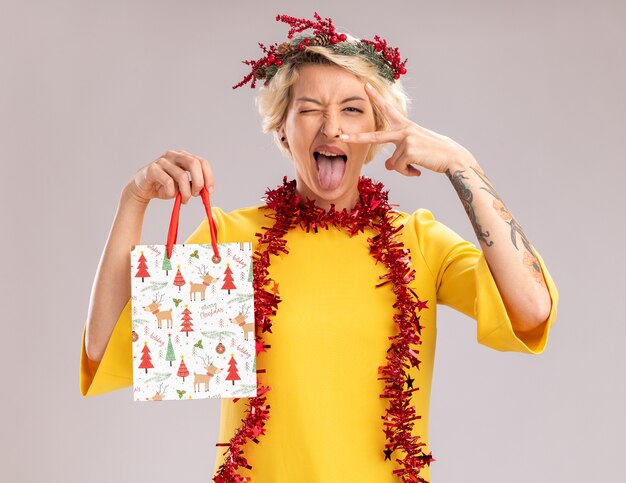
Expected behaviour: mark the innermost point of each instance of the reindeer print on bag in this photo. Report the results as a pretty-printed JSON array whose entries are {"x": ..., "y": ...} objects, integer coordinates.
[
  {"x": 161, "y": 315},
  {"x": 193, "y": 322},
  {"x": 205, "y": 378},
  {"x": 240, "y": 320},
  {"x": 201, "y": 287}
]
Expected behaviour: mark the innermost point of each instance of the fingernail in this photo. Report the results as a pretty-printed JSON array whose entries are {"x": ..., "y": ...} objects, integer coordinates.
[
  {"x": 344, "y": 136},
  {"x": 368, "y": 85}
]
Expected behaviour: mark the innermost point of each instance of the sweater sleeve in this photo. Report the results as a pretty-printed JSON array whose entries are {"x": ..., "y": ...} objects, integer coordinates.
[
  {"x": 115, "y": 370},
  {"x": 465, "y": 283}
]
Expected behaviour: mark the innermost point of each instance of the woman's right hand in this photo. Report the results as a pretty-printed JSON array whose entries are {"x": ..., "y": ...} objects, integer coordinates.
[{"x": 166, "y": 176}]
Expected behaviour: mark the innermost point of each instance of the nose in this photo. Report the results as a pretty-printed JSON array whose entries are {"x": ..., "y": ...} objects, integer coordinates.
[{"x": 331, "y": 127}]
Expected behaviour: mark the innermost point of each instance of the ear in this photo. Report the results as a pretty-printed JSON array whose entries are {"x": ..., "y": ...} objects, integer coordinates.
[{"x": 281, "y": 134}]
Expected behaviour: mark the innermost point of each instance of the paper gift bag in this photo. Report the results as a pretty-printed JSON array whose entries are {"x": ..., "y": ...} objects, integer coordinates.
[{"x": 193, "y": 326}]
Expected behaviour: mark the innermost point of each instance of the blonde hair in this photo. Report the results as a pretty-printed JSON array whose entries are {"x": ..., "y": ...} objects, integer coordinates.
[{"x": 273, "y": 99}]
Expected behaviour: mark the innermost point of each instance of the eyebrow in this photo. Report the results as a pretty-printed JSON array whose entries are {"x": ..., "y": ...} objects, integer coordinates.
[{"x": 309, "y": 99}]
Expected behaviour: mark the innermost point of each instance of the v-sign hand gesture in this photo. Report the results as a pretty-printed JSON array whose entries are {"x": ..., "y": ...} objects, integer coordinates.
[{"x": 414, "y": 144}]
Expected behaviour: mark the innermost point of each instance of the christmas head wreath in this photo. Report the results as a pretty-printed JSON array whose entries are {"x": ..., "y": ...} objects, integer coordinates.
[{"x": 385, "y": 58}]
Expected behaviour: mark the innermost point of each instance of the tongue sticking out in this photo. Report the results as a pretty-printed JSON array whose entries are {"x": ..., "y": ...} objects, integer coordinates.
[{"x": 330, "y": 171}]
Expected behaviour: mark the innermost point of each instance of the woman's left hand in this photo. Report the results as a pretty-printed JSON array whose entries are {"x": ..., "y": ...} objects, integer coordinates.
[{"x": 414, "y": 144}]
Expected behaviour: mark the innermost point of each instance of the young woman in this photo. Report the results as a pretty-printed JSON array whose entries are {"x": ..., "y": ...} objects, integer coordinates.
[{"x": 346, "y": 293}]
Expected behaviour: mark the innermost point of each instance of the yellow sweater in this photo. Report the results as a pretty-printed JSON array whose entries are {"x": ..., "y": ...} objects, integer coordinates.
[{"x": 328, "y": 339}]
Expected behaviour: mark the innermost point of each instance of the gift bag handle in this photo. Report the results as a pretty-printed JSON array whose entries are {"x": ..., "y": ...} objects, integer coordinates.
[{"x": 173, "y": 231}]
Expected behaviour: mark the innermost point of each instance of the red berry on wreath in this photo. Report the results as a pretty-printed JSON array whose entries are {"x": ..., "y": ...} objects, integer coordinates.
[
  {"x": 307, "y": 41},
  {"x": 342, "y": 37},
  {"x": 301, "y": 47},
  {"x": 334, "y": 39},
  {"x": 278, "y": 62},
  {"x": 271, "y": 57}
]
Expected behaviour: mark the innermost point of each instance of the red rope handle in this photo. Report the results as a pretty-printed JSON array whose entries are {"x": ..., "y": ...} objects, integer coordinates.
[{"x": 173, "y": 231}]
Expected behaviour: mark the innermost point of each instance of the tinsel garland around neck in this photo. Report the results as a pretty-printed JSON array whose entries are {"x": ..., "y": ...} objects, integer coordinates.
[{"x": 373, "y": 211}]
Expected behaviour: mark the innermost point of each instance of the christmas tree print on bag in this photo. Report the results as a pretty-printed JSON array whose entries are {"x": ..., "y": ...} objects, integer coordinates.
[{"x": 193, "y": 329}]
